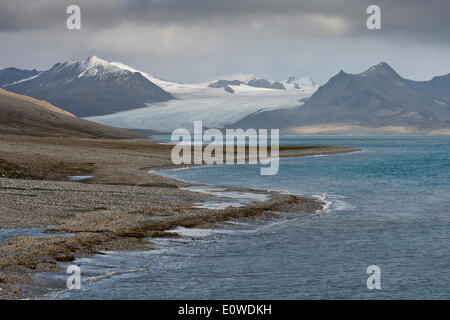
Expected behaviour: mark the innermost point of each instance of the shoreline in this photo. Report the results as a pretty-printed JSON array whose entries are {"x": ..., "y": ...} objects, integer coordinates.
[{"x": 109, "y": 213}]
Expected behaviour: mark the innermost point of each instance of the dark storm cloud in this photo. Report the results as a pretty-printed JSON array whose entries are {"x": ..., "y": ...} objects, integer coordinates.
[
  {"x": 412, "y": 17},
  {"x": 196, "y": 40}
]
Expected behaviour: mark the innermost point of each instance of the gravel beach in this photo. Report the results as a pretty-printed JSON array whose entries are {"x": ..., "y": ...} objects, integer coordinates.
[{"x": 119, "y": 209}]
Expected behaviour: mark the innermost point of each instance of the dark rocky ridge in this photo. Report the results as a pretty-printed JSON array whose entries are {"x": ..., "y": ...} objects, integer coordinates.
[
  {"x": 10, "y": 75},
  {"x": 375, "y": 98}
]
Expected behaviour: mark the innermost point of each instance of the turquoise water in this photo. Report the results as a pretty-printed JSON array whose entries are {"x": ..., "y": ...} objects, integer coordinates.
[
  {"x": 28, "y": 232},
  {"x": 389, "y": 205}
]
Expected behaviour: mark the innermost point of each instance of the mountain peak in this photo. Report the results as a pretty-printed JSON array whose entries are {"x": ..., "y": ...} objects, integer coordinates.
[
  {"x": 380, "y": 69},
  {"x": 92, "y": 61},
  {"x": 89, "y": 67},
  {"x": 341, "y": 74}
]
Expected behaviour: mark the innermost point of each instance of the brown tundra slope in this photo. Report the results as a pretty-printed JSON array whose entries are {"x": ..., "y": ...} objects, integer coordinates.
[{"x": 23, "y": 115}]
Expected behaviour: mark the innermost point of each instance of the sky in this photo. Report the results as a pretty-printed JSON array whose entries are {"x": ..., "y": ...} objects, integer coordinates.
[{"x": 200, "y": 40}]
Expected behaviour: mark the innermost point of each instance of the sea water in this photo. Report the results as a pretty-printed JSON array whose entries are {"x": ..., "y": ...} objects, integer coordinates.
[{"x": 388, "y": 205}]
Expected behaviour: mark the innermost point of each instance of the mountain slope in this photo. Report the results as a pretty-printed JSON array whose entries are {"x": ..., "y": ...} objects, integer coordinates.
[
  {"x": 376, "y": 98},
  {"x": 23, "y": 115},
  {"x": 11, "y": 75},
  {"x": 438, "y": 88},
  {"x": 91, "y": 87}
]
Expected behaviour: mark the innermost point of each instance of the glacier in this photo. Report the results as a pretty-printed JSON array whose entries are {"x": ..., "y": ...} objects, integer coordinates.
[{"x": 216, "y": 107}]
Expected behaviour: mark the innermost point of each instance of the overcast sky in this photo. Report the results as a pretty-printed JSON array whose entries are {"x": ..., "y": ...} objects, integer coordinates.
[{"x": 196, "y": 40}]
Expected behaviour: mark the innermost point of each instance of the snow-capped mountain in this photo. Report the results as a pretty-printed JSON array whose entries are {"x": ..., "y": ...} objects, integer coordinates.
[
  {"x": 90, "y": 87},
  {"x": 293, "y": 83}
]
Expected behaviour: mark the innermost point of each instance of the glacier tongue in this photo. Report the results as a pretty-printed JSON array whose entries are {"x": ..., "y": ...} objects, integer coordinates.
[{"x": 215, "y": 107}]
